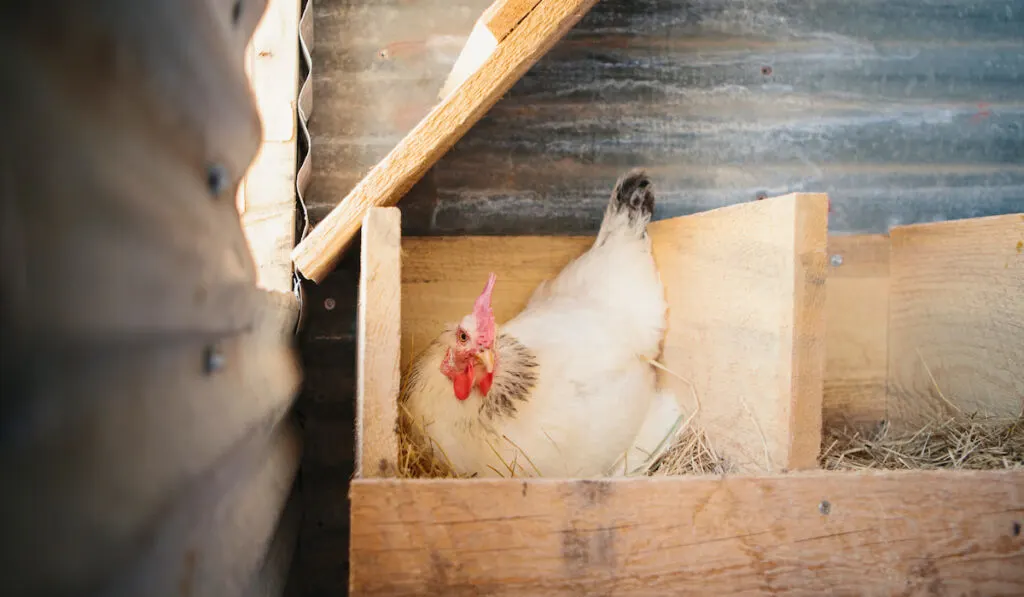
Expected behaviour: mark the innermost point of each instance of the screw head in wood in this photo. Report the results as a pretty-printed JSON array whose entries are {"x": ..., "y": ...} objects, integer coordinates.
[
  {"x": 329, "y": 304},
  {"x": 216, "y": 179},
  {"x": 825, "y": 507},
  {"x": 213, "y": 359},
  {"x": 836, "y": 260}
]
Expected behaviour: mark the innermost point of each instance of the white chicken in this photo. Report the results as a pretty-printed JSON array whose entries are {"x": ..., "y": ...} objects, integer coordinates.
[{"x": 562, "y": 389}]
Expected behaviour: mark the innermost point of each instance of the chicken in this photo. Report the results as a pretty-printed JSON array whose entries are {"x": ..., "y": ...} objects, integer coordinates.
[{"x": 563, "y": 388}]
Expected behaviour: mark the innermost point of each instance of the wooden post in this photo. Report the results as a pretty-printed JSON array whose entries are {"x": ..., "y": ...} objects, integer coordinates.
[
  {"x": 746, "y": 292},
  {"x": 379, "y": 339}
]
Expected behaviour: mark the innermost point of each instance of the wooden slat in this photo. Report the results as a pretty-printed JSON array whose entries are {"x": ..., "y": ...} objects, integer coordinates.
[
  {"x": 389, "y": 180},
  {"x": 956, "y": 319},
  {"x": 272, "y": 577},
  {"x": 269, "y": 187},
  {"x": 856, "y": 329},
  {"x": 146, "y": 421},
  {"x": 379, "y": 339},
  {"x": 805, "y": 534},
  {"x": 214, "y": 538},
  {"x": 746, "y": 292}
]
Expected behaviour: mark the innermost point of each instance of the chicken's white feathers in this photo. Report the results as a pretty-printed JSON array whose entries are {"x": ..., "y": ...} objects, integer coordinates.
[{"x": 577, "y": 383}]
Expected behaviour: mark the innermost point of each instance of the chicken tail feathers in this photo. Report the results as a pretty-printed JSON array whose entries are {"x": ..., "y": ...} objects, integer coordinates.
[{"x": 630, "y": 207}]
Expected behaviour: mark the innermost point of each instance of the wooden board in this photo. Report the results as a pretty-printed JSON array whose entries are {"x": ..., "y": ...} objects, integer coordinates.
[
  {"x": 804, "y": 534},
  {"x": 856, "y": 329},
  {"x": 379, "y": 340},
  {"x": 214, "y": 537},
  {"x": 746, "y": 326},
  {"x": 956, "y": 319},
  {"x": 268, "y": 215}
]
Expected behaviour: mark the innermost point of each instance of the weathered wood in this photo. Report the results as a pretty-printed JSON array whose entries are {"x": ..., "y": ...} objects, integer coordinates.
[
  {"x": 124, "y": 427},
  {"x": 810, "y": 533},
  {"x": 746, "y": 326},
  {"x": 389, "y": 180},
  {"x": 269, "y": 215},
  {"x": 127, "y": 143},
  {"x": 856, "y": 330},
  {"x": 272, "y": 578},
  {"x": 956, "y": 319},
  {"x": 380, "y": 348},
  {"x": 214, "y": 537}
]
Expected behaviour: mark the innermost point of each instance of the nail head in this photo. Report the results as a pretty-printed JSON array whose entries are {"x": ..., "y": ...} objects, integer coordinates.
[
  {"x": 213, "y": 360},
  {"x": 825, "y": 507},
  {"x": 216, "y": 179},
  {"x": 329, "y": 304},
  {"x": 836, "y": 260}
]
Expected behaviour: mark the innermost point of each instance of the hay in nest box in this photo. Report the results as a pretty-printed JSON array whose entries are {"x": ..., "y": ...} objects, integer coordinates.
[{"x": 961, "y": 442}]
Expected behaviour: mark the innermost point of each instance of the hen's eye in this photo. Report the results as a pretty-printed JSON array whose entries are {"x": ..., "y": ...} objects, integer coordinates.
[{"x": 463, "y": 337}]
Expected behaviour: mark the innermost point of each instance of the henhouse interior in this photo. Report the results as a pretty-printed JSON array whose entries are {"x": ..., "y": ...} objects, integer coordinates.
[{"x": 307, "y": 298}]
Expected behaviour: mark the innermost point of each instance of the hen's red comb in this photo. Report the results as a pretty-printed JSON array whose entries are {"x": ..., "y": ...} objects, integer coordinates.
[{"x": 484, "y": 315}]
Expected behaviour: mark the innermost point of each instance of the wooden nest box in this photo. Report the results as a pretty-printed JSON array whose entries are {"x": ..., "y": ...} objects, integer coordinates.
[{"x": 781, "y": 330}]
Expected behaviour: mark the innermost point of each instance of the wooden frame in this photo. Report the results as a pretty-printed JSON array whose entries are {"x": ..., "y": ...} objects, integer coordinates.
[{"x": 808, "y": 532}]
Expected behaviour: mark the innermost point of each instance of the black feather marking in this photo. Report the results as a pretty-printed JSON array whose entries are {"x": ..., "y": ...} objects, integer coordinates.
[
  {"x": 514, "y": 378},
  {"x": 633, "y": 192}
]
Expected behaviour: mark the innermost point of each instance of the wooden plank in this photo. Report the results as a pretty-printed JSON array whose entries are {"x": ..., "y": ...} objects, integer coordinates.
[
  {"x": 268, "y": 216},
  {"x": 272, "y": 578},
  {"x": 389, "y": 180},
  {"x": 147, "y": 420},
  {"x": 856, "y": 329},
  {"x": 805, "y": 533},
  {"x": 956, "y": 319},
  {"x": 379, "y": 339},
  {"x": 746, "y": 292},
  {"x": 214, "y": 537}
]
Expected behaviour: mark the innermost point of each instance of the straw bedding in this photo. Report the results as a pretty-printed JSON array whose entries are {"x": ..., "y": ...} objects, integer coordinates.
[{"x": 961, "y": 442}]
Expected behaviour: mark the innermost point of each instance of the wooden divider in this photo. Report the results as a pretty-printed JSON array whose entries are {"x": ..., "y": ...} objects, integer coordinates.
[
  {"x": 856, "y": 330},
  {"x": 746, "y": 326},
  {"x": 956, "y": 320},
  {"x": 379, "y": 343}
]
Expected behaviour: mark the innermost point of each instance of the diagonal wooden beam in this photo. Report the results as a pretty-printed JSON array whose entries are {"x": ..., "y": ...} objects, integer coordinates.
[{"x": 393, "y": 176}]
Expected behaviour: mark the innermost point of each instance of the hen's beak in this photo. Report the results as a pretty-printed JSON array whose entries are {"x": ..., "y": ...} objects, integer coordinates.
[{"x": 486, "y": 356}]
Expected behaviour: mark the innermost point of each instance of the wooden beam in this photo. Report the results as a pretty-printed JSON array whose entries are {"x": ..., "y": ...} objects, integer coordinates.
[
  {"x": 856, "y": 329},
  {"x": 956, "y": 319},
  {"x": 268, "y": 190},
  {"x": 746, "y": 292},
  {"x": 803, "y": 533},
  {"x": 379, "y": 343},
  {"x": 390, "y": 179}
]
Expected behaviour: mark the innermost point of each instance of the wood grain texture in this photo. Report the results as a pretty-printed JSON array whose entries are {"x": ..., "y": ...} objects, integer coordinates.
[
  {"x": 856, "y": 329},
  {"x": 672, "y": 536},
  {"x": 956, "y": 319},
  {"x": 380, "y": 314},
  {"x": 502, "y": 17},
  {"x": 124, "y": 429},
  {"x": 746, "y": 326},
  {"x": 269, "y": 186},
  {"x": 214, "y": 537},
  {"x": 389, "y": 180}
]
